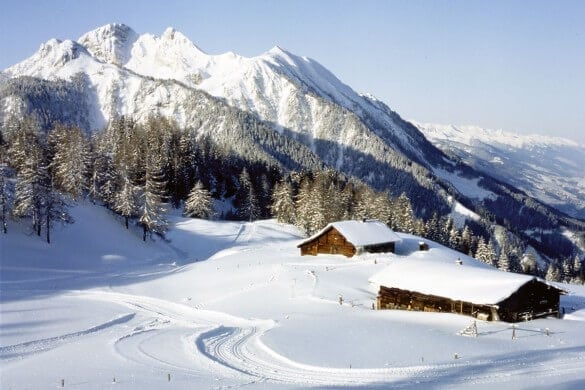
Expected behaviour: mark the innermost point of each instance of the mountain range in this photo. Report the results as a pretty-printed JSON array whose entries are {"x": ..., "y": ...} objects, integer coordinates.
[
  {"x": 277, "y": 107},
  {"x": 547, "y": 168}
]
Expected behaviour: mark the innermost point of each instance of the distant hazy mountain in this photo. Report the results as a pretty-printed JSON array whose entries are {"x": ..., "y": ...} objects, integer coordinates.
[
  {"x": 276, "y": 107},
  {"x": 547, "y": 168}
]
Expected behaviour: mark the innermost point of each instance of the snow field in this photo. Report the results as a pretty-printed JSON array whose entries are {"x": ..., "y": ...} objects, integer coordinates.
[{"x": 226, "y": 304}]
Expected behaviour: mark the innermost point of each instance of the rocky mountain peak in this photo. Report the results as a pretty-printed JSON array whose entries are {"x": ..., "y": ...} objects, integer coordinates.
[{"x": 111, "y": 43}]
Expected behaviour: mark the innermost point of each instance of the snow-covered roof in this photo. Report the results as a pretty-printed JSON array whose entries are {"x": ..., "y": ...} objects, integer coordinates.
[
  {"x": 360, "y": 233},
  {"x": 450, "y": 280}
]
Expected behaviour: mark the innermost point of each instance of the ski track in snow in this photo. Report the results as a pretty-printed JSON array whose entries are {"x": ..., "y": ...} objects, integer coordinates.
[
  {"x": 209, "y": 340},
  {"x": 242, "y": 350},
  {"x": 35, "y": 346}
]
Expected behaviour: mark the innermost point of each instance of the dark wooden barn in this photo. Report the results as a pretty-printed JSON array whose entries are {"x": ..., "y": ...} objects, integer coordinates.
[
  {"x": 350, "y": 238},
  {"x": 486, "y": 294}
]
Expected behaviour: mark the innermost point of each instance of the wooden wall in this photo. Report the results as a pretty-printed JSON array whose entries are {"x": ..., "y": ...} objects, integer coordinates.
[
  {"x": 330, "y": 242},
  {"x": 397, "y": 299},
  {"x": 532, "y": 300}
]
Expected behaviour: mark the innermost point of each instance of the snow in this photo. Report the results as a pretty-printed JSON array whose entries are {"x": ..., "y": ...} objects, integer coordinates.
[
  {"x": 462, "y": 282},
  {"x": 547, "y": 168},
  {"x": 231, "y": 304},
  {"x": 469, "y": 187},
  {"x": 360, "y": 233}
]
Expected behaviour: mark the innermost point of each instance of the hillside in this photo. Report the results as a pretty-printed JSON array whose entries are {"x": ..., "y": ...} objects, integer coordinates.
[
  {"x": 233, "y": 304},
  {"x": 284, "y": 110},
  {"x": 547, "y": 168}
]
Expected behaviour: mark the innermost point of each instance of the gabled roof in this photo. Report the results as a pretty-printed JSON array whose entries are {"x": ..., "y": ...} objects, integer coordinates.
[
  {"x": 360, "y": 233},
  {"x": 465, "y": 282}
]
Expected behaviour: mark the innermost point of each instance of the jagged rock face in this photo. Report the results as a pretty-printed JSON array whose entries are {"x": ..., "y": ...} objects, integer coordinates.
[
  {"x": 141, "y": 75},
  {"x": 111, "y": 44},
  {"x": 277, "y": 107}
]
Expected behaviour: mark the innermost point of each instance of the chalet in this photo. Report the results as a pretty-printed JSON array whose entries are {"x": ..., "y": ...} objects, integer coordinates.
[
  {"x": 484, "y": 293},
  {"x": 349, "y": 238}
]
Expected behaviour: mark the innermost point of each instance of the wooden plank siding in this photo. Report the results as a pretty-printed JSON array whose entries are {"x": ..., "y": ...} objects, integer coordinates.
[
  {"x": 534, "y": 299},
  {"x": 330, "y": 242},
  {"x": 397, "y": 299}
]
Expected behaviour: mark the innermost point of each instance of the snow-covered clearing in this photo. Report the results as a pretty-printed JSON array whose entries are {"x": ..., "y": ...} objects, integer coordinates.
[{"x": 227, "y": 304}]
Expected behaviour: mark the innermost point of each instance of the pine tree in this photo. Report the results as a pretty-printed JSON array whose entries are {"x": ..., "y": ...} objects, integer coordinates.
[
  {"x": 4, "y": 197},
  {"x": 454, "y": 238},
  {"x": 32, "y": 178},
  {"x": 566, "y": 270},
  {"x": 404, "y": 214},
  {"x": 433, "y": 228},
  {"x": 528, "y": 263},
  {"x": 283, "y": 206},
  {"x": 246, "y": 199},
  {"x": 104, "y": 180},
  {"x": 199, "y": 203},
  {"x": 485, "y": 252},
  {"x": 503, "y": 261},
  {"x": 55, "y": 210},
  {"x": 465, "y": 242},
  {"x": 152, "y": 213},
  {"x": 70, "y": 162},
  {"x": 126, "y": 201},
  {"x": 578, "y": 269},
  {"x": 552, "y": 273}
]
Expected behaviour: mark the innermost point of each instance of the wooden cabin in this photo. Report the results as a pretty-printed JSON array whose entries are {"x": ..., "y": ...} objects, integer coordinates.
[
  {"x": 483, "y": 293},
  {"x": 351, "y": 238}
]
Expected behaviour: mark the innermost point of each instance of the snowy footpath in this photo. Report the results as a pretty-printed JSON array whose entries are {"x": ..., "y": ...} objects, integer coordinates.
[{"x": 230, "y": 305}]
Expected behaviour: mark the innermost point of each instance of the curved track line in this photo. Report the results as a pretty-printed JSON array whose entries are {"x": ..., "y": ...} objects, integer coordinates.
[
  {"x": 35, "y": 346},
  {"x": 242, "y": 350}
]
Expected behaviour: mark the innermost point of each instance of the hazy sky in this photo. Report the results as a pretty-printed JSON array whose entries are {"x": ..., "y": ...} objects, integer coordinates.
[{"x": 512, "y": 65}]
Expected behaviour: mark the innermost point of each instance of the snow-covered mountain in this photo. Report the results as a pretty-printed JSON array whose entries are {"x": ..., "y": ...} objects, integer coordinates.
[
  {"x": 290, "y": 105},
  {"x": 547, "y": 168},
  {"x": 277, "y": 107}
]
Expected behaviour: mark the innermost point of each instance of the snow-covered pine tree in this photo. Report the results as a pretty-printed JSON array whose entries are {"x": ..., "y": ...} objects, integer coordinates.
[
  {"x": 578, "y": 269},
  {"x": 485, "y": 252},
  {"x": 55, "y": 210},
  {"x": 552, "y": 273},
  {"x": 308, "y": 214},
  {"x": 28, "y": 152},
  {"x": 152, "y": 210},
  {"x": 504, "y": 261},
  {"x": 283, "y": 206},
  {"x": 446, "y": 228},
  {"x": 199, "y": 203},
  {"x": 71, "y": 159},
  {"x": 5, "y": 197},
  {"x": 433, "y": 228},
  {"x": 104, "y": 179},
  {"x": 404, "y": 214},
  {"x": 246, "y": 199},
  {"x": 528, "y": 263},
  {"x": 454, "y": 238},
  {"x": 491, "y": 250},
  {"x": 465, "y": 242},
  {"x": 566, "y": 270},
  {"x": 126, "y": 200}
]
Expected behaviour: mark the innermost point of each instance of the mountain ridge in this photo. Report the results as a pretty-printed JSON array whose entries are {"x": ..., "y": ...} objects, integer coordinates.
[
  {"x": 281, "y": 107},
  {"x": 547, "y": 168}
]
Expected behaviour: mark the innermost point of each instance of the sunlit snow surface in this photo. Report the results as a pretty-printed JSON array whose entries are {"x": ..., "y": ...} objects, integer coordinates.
[{"x": 227, "y": 304}]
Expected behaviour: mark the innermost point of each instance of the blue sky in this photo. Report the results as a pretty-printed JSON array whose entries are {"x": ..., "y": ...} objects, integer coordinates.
[{"x": 512, "y": 65}]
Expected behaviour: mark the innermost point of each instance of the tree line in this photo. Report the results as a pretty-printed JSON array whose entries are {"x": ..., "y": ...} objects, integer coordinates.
[{"x": 139, "y": 170}]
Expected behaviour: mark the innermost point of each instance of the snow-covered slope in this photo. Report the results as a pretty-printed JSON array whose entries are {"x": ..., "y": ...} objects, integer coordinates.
[
  {"x": 230, "y": 304},
  {"x": 547, "y": 168},
  {"x": 295, "y": 93},
  {"x": 278, "y": 108}
]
